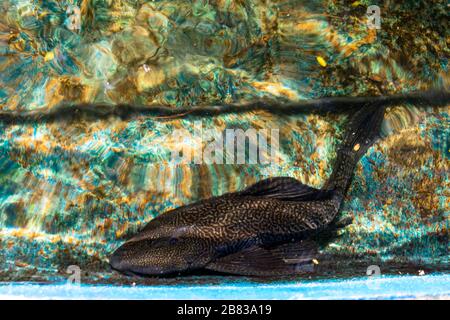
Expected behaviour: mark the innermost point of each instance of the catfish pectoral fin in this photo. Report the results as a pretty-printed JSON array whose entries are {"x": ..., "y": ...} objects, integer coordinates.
[
  {"x": 342, "y": 223},
  {"x": 285, "y": 259}
]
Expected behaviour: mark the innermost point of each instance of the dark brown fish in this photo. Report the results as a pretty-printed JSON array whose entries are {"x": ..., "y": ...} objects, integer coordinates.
[{"x": 265, "y": 229}]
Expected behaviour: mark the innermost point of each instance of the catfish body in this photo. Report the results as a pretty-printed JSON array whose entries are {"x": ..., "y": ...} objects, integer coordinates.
[
  {"x": 265, "y": 229},
  {"x": 201, "y": 234}
]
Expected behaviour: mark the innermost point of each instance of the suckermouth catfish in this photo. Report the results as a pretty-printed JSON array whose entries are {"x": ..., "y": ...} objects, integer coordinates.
[{"x": 266, "y": 229}]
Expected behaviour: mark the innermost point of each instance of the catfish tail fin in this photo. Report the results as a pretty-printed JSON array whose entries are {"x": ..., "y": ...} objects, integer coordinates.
[{"x": 363, "y": 130}]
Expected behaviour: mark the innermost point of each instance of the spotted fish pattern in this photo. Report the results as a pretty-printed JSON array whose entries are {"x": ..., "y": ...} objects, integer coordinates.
[{"x": 269, "y": 224}]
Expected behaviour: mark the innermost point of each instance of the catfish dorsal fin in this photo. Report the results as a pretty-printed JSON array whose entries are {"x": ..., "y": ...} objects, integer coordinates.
[{"x": 282, "y": 188}]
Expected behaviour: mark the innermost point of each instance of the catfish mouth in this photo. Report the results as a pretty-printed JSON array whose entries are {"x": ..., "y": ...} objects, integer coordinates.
[
  {"x": 121, "y": 263},
  {"x": 147, "y": 272},
  {"x": 145, "y": 258}
]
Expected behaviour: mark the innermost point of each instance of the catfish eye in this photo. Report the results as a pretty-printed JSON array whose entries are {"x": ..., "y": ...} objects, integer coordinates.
[{"x": 173, "y": 241}]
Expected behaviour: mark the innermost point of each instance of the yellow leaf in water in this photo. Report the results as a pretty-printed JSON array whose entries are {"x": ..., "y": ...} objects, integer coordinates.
[
  {"x": 49, "y": 56},
  {"x": 321, "y": 61}
]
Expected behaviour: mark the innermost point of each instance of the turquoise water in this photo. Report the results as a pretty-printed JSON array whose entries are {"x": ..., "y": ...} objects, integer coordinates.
[{"x": 382, "y": 287}]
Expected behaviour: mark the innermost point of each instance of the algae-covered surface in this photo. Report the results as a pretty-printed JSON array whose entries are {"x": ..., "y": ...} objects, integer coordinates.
[{"x": 73, "y": 189}]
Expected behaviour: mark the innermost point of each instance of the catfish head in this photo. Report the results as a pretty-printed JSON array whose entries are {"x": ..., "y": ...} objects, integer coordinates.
[{"x": 160, "y": 250}]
